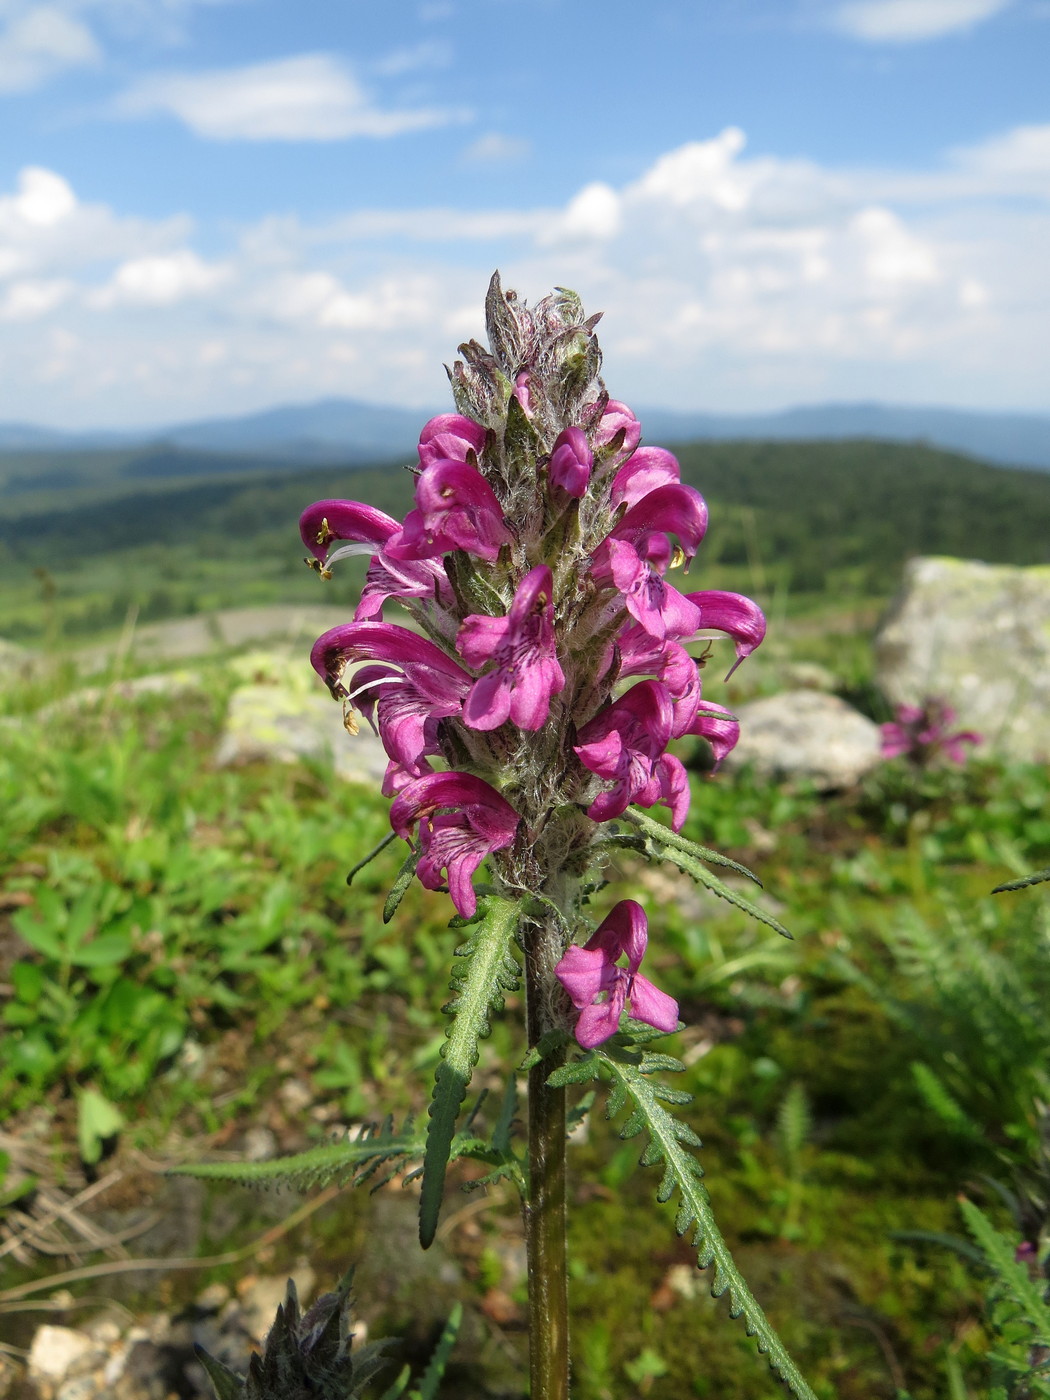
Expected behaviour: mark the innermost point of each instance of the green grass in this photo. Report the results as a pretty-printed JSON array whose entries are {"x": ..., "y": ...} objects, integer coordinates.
[{"x": 180, "y": 941}]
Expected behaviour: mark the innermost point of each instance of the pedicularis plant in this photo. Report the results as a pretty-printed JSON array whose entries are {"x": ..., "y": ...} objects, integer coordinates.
[{"x": 527, "y": 714}]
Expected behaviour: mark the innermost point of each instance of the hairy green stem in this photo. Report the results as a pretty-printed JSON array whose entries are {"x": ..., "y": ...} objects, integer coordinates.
[{"x": 545, "y": 1215}]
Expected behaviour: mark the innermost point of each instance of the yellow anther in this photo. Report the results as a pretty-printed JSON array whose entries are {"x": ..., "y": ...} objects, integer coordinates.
[
  {"x": 677, "y": 558},
  {"x": 324, "y": 534},
  {"x": 350, "y": 723}
]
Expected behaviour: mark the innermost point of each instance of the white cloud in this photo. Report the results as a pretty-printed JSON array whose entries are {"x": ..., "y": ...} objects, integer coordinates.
[
  {"x": 430, "y": 54},
  {"x": 911, "y": 21},
  {"x": 312, "y": 97},
  {"x": 592, "y": 215},
  {"x": 729, "y": 280},
  {"x": 891, "y": 254},
  {"x": 29, "y": 300},
  {"x": 1018, "y": 161},
  {"x": 494, "y": 148},
  {"x": 700, "y": 171},
  {"x": 160, "y": 280},
  {"x": 43, "y": 198},
  {"x": 41, "y": 42}
]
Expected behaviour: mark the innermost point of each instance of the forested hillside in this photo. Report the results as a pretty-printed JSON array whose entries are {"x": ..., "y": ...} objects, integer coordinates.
[{"x": 799, "y": 518}]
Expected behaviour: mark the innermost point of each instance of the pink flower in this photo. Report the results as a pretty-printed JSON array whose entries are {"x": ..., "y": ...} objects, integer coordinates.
[
  {"x": 458, "y": 840},
  {"x": 522, "y": 393},
  {"x": 617, "y": 417},
  {"x": 641, "y": 654},
  {"x": 416, "y": 682},
  {"x": 456, "y": 508},
  {"x": 715, "y": 724},
  {"x": 638, "y": 552},
  {"x": 643, "y": 472},
  {"x": 400, "y": 578},
  {"x": 450, "y": 438},
  {"x": 625, "y": 744},
  {"x": 637, "y": 570},
  {"x": 732, "y": 613},
  {"x": 365, "y": 530},
  {"x": 920, "y": 734},
  {"x": 600, "y": 989},
  {"x": 526, "y": 673},
  {"x": 571, "y": 462}
]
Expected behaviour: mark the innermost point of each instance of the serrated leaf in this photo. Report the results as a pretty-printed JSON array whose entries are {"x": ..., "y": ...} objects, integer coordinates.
[
  {"x": 400, "y": 885},
  {"x": 353, "y": 1159},
  {"x": 545, "y": 1046},
  {"x": 580, "y": 1071},
  {"x": 683, "y": 1173},
  {"x": 484, "y": 978},
  {"x": 664, "y": 836},
  {"x": 1036, "y": 878},
  {"x": 692, "y": 867}
]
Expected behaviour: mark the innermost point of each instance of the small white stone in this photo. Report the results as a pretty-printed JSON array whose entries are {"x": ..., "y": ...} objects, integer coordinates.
[{"x": 56, "y": 1350}]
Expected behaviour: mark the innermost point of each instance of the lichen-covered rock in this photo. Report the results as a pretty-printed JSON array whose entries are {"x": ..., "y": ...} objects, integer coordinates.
[
  {"x": 977, "y": 636},
  {"x": 806, "y": 735},
  {"x": 285, "y": 715}
]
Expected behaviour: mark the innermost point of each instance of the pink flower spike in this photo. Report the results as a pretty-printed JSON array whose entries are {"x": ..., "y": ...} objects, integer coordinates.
[
  {"x": 526, "y": 673},
  {"x": 643, "y": 472},
  {"x": 450, "y": 437},
  {"x": 571, "y": 462},
  {"x": 455, "y": 841},
  {"x": 920, "y": 734},
  {"x": 732, "y": 613},
  {"x": 327, "y": 521},
  {"x": 625, "y": 743},
  {"x": 599, "y": 989},
  {"x": 456, "y": 508}
]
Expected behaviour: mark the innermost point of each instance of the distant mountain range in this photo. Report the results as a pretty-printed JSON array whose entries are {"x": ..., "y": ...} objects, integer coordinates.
[{"x": 346, "y": 430}]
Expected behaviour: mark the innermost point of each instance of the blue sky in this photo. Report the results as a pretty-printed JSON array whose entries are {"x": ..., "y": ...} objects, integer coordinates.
[{"x": 212, "y": 206}]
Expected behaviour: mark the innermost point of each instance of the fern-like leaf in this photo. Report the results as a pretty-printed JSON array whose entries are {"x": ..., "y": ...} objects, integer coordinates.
[
  {"x": 487, "y": 971},
  {"x": 669, "y": 1142},
  {"x": 1014, "y": 1281},
  {"x": 352, "y": 1160},
  {"x": 944, "y": 1104},
  {"x": 662, "y": 844}
]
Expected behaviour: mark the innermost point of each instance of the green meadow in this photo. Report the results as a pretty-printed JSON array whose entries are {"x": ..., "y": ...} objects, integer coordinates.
[{"x": 182, "y": 962}]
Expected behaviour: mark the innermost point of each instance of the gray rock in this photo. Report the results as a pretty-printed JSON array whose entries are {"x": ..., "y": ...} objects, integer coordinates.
[
  {"x": 806, "y": 735},
  {"x": 978, "y": 636},
  {"x": 286, "y": 715}
]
